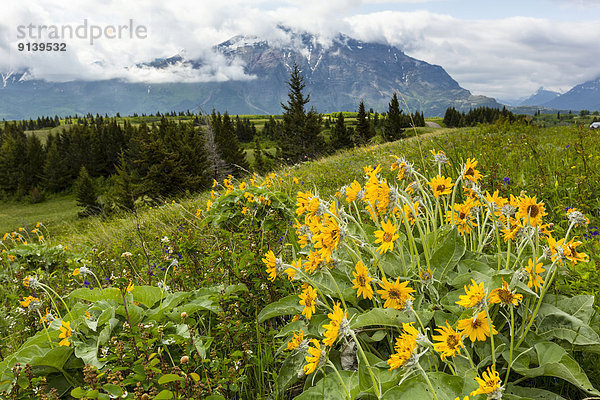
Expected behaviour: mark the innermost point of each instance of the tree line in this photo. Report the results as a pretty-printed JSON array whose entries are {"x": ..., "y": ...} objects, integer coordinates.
[
  {"x": 475, "y": 116},
  {"x": 127, "y": 161}
]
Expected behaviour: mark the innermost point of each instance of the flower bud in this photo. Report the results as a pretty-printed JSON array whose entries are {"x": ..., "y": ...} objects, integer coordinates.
[
  {"x": 183, "y": 315},
  {"x": 184, "y": 359}
]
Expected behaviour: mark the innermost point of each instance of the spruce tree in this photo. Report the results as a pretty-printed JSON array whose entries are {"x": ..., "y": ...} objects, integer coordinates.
[
  {"x": 56, "y": 171},
  {"x": 229, "y": 147},
  {"x": 300, "y": 137},
  {"x": 123, "y": 190},
  {"x": 362, "y": 125},
  {"x": 340, "y": 137},
  {"x": 85, "y": 194},
  {"x": 259, "y": 162},
  {"x": 393, "y": 128}
]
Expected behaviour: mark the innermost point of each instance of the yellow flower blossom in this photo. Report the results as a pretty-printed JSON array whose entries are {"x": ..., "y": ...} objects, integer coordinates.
[
  {"x": 362, "y": 281},
  {"x": 308, "y": 298}
]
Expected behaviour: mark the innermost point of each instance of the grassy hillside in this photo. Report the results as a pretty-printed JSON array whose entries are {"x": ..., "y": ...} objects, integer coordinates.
[{"x": 222, "y": 325}]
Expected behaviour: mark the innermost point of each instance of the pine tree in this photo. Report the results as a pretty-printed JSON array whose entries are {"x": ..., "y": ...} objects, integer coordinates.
[
  {"x": 362, "y": 125},
  {"x": 392, "y": 129},
  {"x": 85, "y": 194},
  {"x": 259, "y": 162},
  {"x": 229, "y": 147},
  {"x": 340, "y": 137},
  {"x": 301, "y": 130},
  {"x": 56, "y": 171},
  {"x": 123, "y": 190}
]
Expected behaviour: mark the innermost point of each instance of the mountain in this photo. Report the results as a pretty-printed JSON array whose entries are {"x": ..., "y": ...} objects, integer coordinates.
[
  {"x": 585, "y": 96},
  {"x": 540, "y": 97},
  {"x": 337, "y": 76}
]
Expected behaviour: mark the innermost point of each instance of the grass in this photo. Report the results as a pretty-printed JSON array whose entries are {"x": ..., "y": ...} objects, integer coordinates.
[
  {"x": 536, "y": 160},
  {"x": 58, "y": 210}
]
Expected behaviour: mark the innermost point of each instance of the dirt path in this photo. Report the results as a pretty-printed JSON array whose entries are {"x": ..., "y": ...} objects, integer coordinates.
[{"x": 432, "y": 124}]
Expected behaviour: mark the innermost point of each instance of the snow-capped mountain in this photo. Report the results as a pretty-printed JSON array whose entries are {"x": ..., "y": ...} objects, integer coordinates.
[{"x": 338, "y": 74}]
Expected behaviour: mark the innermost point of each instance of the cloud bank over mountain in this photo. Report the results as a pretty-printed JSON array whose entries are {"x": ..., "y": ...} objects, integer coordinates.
[{"x": 508, "y": 56}]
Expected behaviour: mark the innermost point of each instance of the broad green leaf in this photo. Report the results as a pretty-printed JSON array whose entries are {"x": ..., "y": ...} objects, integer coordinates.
[
  {"x": 78, "y": 393},
  {"x": 96, "y": 294},
  {"x": 146, "y": 295},
  {"x": 54, "y": 358},
  {"x": 556, "y": 323},
  {"x": 290, "y": 371},
  {"x": 169, "y": 378},
  {"x": 113, "y": 390},
  {"x": 88, "y": 352},
  {"x": 164, "y": 395},
  {"x": 447, "y": 255},
  {"x": 534, "y": 393},
  {"x": 292, "y": 327},
  {"x": 289, "y": 305},
  {"x": 169, "y": 302},
  {"x": 381, "y": 316},
  {"x": 447, "y": 387},
  {"x": 200, "y": 304},
  {"x": 554, "y": 361},
  {"x": 330, "y": 388}
]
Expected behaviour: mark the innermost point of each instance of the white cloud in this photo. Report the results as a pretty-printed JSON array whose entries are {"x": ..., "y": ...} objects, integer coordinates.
[{"x": 507, "y": 57}]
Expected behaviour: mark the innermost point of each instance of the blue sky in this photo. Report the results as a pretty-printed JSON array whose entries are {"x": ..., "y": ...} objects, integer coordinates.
[{"x": 503, "y": 49}]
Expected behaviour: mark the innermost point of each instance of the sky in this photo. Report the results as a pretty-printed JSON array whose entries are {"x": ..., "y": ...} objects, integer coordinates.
[{"x": 503, "y": 49}]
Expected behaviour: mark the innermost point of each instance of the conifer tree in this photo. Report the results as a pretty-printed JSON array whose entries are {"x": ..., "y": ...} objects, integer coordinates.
[
  {"x": 362, "y": 125},
  {"x": 56, "y": 171},
  {"x": 300, "y": 137},
  {"x": 123, "y": 190},
  {"x": 85, "y": 194},
  {"x": 393, "y": 128},
  {"x": 259, "y": 162},
  {"x": 229, "y": 147},
  {"x": 340, "y": 137}
]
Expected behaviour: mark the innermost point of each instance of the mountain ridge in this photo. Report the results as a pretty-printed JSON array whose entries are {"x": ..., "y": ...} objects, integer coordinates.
[{"x": 338, "y": 74}]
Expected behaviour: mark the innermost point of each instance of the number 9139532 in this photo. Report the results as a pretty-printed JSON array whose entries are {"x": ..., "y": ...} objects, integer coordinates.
[{"x": 41, "y": 46}]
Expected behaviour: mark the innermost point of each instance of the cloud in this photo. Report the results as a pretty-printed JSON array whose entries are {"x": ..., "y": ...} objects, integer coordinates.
[{"x": 505, "y": 58}]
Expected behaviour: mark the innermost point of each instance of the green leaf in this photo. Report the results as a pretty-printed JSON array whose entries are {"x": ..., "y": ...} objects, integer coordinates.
[
  {"x": 170, "y": 301},
  {"x": 533, "y": 393},
  {"x": 146, "y": 295},
  {"x": 447, "y": 387},
  {"x": 54, "y": 358},
  {"x": 96, "y": 294},
  {"x": 556, "y": 323},
  {"x": 113, "y": 390},
  {"x": 88, "y": 352},
  {"x": 554, "y": 361},
  {"x": 200, "y": 304},
  {"x": 288, "y": 374},
  {"x": 78, "y": 393},
  {"x": 330, "y": 388},
  {"x": 381, "y": 316},
  {"x": 164, "y": 395},
  {"x": 289, "y": 305},
  {"x": 169, "y": 378},
  {"x": 448, "y": 255},
  {"x": 292, "y": 327}
]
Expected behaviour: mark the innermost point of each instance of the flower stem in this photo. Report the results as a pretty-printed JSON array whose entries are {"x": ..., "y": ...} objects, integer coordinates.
[
  {"x": 364, "y": 356},
  {"x": 512, "y": 338},
  {"x": 428, "y": 381}
]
